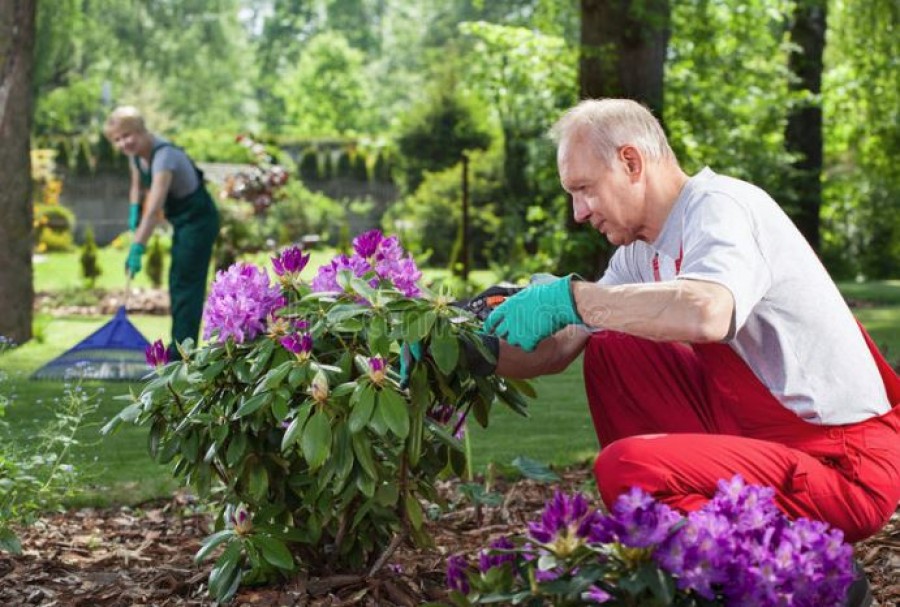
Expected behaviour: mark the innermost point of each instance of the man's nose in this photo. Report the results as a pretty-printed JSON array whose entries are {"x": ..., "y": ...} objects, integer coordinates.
[{"x": 580, "y": 210}]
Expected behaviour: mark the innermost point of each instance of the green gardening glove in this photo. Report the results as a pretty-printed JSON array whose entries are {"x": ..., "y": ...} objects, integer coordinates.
[
  {"x": 534, "y": 314},
  {"x": 133, "y": 263},
  {"x": 134, "y": 216}
]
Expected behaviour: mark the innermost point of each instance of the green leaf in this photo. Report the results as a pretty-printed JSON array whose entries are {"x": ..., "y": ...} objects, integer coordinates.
[
  {"x": 444, "y": 349},
  {"x": 362, "y": 288},
  {"x": 362, "y": 447},
  {"x": 292, "y": 434},
  {"x": 535, "y": 470},
  {"x": 253, "y": 404},
  {"x": 377, "y": 336},
  {"x": 362, "y": 405},
  {"x": 223, "y": 574},
  {"x": 211, "y": 372},
  {"x": 394, "y": 412},
  {"x": 316, "y": 440},
  {"x": 419, "y": 326},
  {"x": 413, "y": 510},
  {"x": 9, "y": 542},
  {"x": 387, "y": 494},
  {"x": 259, "y": 482},
  {"x": 276, "y": 376},
  {"x": 262, "y": 359},
  {"x": 416, "y": 435},
  {"x": 236, "y": 448},
  {"x": 299, "y": 374},
  {"x": 209, "y": 544},
  {"x": 274, "y": 551}
]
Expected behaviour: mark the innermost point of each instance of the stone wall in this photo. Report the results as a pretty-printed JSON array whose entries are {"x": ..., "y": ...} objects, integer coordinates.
[{"x": 100, "y": 199}]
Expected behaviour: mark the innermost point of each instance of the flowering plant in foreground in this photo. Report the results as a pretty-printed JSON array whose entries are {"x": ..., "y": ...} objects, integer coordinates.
[
  {"x": 292, "y": 417},
  {"x": 738, "y": 549}
]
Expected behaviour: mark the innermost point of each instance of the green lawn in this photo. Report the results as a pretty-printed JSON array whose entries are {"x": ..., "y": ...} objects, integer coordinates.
[{"x": 558, "y": 430}]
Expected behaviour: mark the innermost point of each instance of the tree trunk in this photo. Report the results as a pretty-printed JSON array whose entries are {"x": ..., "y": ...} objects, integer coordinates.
[
  {"x": 623, "y": 53},
  {"x": 623, "y": 50},
  {"x": 803, "y": 134},
  {"x": 17, "y": 35}
]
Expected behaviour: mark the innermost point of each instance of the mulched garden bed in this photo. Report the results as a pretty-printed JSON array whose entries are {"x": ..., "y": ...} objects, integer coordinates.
[{"x": 144, "y": 556}]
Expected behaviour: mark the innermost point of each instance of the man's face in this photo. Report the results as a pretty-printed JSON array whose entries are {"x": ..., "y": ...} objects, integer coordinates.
[{"x": 610, "y": 198}]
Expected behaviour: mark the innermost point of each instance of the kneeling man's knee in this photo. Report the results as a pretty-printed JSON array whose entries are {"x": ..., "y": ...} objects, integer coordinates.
[{"x": 626, "y": 463}]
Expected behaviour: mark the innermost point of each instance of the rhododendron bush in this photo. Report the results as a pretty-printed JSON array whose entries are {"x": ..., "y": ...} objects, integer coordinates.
[{"x": 292, "y": 417}]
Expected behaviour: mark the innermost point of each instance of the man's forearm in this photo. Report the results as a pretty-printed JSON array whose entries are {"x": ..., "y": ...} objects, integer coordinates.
[
  {"x": 677, "y": 310},
  {"x": 550, "y": 356}
]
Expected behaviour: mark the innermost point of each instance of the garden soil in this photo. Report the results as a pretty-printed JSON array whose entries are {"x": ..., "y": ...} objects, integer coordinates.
[{"x": 144, "y": 556}]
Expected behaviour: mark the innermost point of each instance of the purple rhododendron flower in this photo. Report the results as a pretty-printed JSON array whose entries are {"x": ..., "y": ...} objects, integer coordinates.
[
  {"x": 366, "y": 244},
  {"x": 326, "y": 278},
  {"x": 564, "y": 517},
  {"x": 156, "y": 354},
  {"x": 300, "y": 344},
  {"x": 496, "y": 555},
  {"x": 457, "y": 578},
  {"x": 240, "y": 300},
  {"x": 636, "y": 521},
  {"x": 291, "y": 261},
  {"x": 595, "y": 594},
  {"x": 372, "y": 253},
  {"x": 377, "y": 369}
]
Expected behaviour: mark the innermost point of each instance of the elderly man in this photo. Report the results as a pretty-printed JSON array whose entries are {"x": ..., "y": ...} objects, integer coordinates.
[{"x": 715, "y": 343}]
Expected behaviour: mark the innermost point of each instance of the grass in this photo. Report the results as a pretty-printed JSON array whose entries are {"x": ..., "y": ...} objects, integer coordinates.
[{"x": 558, "y": 429}]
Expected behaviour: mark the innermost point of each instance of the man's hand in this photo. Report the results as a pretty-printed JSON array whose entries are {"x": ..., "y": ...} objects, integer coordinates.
[
  {"x": 133, "y": 263},
  {"x": 134, "y": 216},
  {"x": 534, "y": 314}
]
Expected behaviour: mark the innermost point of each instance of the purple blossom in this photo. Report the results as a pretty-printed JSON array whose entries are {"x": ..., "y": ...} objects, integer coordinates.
[
  {"x": 457, "y": 574},
  {"x": 366, "y": 244},
  {"x": 498, "y": 553},
  {"x": 156, "y": 354},
  {"x": 565, "y": 522},
  {"x": 240, "y": 520},
  {"x": 291, "y": 262},
  {"x": 377, "y": 369},
  {"x": 326, "y": 278},
  {"x": 300, "y": 344},
  {"x": 240, "y": 300},
  {"x": 373, "y": 253},
  {"x": 636, "y": 521},
  {"x": 595, "y": 594},
  {"x": 447, "y": 414}
]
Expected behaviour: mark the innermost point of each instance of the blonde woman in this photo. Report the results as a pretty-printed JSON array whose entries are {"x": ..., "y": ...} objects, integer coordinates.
[{"x": 166, "y": 182}]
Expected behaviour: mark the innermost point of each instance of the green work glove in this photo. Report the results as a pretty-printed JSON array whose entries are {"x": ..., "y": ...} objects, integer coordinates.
[
  {"x": 134, "y": 216},
  {"x": 409, "y": 353},
  {"x": 534, "y": 314},
  {"x": 133, "y": 263}
]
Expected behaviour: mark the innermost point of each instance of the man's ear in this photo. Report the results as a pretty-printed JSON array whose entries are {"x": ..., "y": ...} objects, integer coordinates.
[{"x": 632, "y": 160}]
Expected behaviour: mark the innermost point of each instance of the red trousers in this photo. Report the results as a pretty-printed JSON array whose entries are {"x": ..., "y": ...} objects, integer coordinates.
[{"x": 675, "y": 419}]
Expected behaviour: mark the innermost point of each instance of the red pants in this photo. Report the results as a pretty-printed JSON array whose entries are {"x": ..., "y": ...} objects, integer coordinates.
[{"x": 675, "y": 419}]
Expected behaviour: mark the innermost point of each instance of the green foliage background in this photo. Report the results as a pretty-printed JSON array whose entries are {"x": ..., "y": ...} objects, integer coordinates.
[{"x": 367, "y": 70}]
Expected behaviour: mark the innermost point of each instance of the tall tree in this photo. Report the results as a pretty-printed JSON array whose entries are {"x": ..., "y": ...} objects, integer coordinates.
[
  {"x": 803, "y": 134},
  {"x": 17, "y": 35},
  {"x": 623, "y": 54},
  {"x": 623, "y": 49}
]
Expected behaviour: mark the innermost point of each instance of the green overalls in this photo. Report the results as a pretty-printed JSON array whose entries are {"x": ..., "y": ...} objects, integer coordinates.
[{"x": 195, "y": 225}]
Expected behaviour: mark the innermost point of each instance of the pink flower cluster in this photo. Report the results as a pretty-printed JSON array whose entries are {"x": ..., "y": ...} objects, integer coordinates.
[
  {"x": 376, "y": 258},
  {"x": 239, "y": 302}
]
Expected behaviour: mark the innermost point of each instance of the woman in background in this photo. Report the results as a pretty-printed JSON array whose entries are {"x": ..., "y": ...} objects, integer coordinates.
[{"x": 171, "y": 183}]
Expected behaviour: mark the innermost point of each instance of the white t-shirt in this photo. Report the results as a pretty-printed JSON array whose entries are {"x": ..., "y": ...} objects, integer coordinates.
[{"x": 791, "y": 325}]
